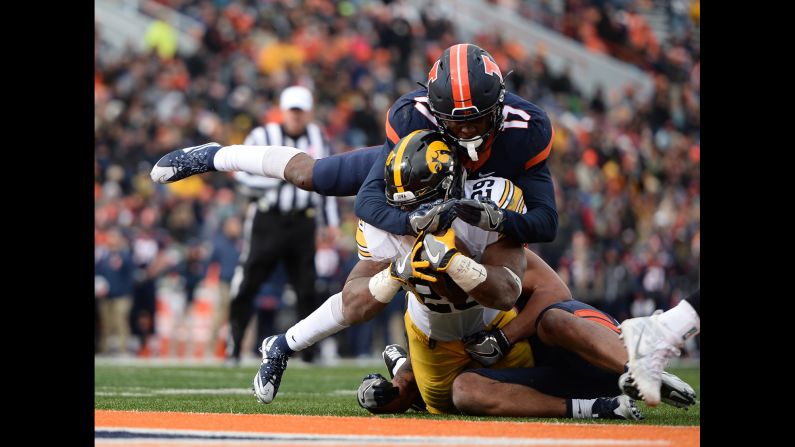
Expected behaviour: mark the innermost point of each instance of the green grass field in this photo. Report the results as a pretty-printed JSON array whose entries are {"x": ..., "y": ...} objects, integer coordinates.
[{"x": 305, "y": 390}]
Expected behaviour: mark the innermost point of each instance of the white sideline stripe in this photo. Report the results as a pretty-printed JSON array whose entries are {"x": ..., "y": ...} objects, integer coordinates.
[
  {"x": 138, "y": 392},
  {"x": 368, "y": 439}
]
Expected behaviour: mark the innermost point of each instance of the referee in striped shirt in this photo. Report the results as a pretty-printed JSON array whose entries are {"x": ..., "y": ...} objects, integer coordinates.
[{"x": 281, "y": 219}]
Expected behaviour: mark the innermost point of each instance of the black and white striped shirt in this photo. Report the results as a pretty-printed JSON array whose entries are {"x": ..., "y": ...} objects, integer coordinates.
[{"x": 275, "y": 193}]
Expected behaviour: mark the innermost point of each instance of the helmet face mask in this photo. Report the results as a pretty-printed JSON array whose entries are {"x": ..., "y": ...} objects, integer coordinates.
[
  {"x": 422, "y": 167},
  {"x": 465, "y": 84}
]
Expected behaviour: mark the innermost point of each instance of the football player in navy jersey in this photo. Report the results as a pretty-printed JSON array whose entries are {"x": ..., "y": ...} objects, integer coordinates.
[{"x": 500, "y": 133}]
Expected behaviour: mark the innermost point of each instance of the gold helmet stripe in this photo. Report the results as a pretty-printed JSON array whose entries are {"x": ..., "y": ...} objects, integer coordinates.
[{"x": 396, "y": 164}]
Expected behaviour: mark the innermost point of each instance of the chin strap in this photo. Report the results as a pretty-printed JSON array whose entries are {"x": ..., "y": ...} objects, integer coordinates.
[{"x": 472, "y": 148}]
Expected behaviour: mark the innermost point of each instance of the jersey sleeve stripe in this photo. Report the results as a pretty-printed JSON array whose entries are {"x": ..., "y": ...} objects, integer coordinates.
[
  {"x": 361, "y": 242},
  {"x": 390, "y": 131},
  {"x": 520, "y": 207},
  {"x": 517, "y": 199},
  {"x": 506, "y": 188},
  {"x": 542, "y": 155}
]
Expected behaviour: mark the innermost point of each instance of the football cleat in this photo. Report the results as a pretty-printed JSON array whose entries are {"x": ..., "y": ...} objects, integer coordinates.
[
  {"x": 394, "y": 356},
  {"x": 673, "y": 390},
  {"x": 182, "y": 163},
  {"x": 267, "y": 380},
  {"x": 650, "y": 345},
  {"x": 620, "y": 407}
]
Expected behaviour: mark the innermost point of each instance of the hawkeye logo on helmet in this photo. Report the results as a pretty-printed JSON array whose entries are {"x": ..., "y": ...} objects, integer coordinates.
[
  {"x": 491, "y": 67},
  {"x": 437, "y": 154}
]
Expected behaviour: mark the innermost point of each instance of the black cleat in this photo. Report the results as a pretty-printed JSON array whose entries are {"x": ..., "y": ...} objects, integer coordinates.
[{"x": 182, "y": 163}]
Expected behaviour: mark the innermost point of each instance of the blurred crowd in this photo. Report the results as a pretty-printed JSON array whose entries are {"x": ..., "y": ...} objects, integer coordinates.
[{"x": 626, "y": 169}]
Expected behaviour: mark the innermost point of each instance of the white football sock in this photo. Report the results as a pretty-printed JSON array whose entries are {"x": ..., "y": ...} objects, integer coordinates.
[
  {"x": 326, "y": 320},
  {"x": 269, "y": 161},
  {"x": 398, "y": 364},
  {"x": 682, "y": 320},
  {"x": 581, "y": 408}
]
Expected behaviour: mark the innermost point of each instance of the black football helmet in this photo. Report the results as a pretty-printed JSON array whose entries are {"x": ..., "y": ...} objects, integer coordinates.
[
  {"x": 422, "y": 167},
  {"x": 466, "y": 84}
]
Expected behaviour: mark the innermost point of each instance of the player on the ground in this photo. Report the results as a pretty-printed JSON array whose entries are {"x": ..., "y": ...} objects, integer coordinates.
[{"x": 558, "y": 371}]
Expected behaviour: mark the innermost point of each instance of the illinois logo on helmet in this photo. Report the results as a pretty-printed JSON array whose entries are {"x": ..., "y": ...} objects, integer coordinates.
[{"x": 466, "y": 84}]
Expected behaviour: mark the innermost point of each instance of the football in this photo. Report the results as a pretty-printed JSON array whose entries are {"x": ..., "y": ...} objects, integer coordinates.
[
  {"x": 444, "y": 285},
  {"x": 447, "y": 288}
]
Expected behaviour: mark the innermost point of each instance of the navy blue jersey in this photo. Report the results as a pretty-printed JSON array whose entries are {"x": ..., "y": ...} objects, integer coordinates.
[
  {"x": 518, "y": 152},
  {"x": 343, "y": 174}
]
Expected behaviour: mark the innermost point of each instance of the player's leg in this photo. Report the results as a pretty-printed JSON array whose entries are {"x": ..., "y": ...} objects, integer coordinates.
[
  {"x": 518, "y": 392},
  {"x": 561, "y": 384},
  {"x": 328, "y": 319},
  {"x": 268, "y": 161},
  {"x": 338, "y": 175},
  {"x": 435, "y": 365},
  {"x": 583, "y": 339},
  {"x": 584, "y": 330}
]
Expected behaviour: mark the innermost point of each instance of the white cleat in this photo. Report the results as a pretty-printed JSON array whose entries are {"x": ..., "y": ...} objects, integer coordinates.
[
  {"x": 673, "y": 390},
  {"x": 619, "y": 407},
  {"x": 650, "y": 345}
]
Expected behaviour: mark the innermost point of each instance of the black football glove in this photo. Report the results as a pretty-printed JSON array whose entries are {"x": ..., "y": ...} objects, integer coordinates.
[
  {"x": 376, "y": 392},
  {"x": 432, "y": 217},
  {"x": 487, "y": 347},
  {"x": 481, "y": 213}
]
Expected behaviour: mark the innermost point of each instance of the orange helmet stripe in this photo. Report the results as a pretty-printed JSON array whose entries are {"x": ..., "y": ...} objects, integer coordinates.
[{"x": 459, "y": 76}]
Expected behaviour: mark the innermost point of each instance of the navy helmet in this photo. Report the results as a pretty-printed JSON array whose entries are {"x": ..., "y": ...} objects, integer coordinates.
[{"x": 466, "y": 84}]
